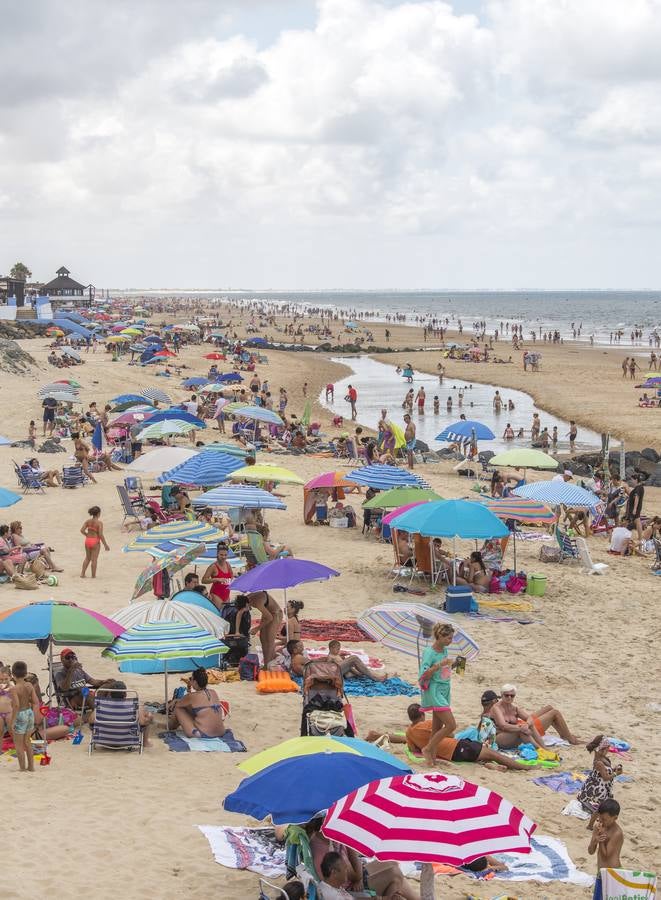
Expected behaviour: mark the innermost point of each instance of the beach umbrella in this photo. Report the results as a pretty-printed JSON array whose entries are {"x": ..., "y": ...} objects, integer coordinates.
[
  {"x": 58, "y": 387},
  {"x": 229, "y": 377},
  {"x": 401, "y": 496},
  {"x": 295, "y": 790},
  {"x": 155, "y": 430},
  {"x": 524, "y": 458},
  {"x": 280, "y": 574},
  {"x": 131, "y": 417},
  {"x": 215, "y": 356},
  {"x": 427, "y": 818},
  {"x": 64, "y": 396},
  {"x": 407, "y": 627},
  {"x": 160, "y": 459},
  {"x": 122, "y": 399},
  {"x": 173, "y": 562},
  {"x": 70, "y": 382},
  {"x": 205, "y": 557},
  {"x": 240, "y": 496},
  {"x": 334, "y": 479},
  {"x": 387, "y": 519},
  {"x": 520, "y": 509},
  {"x": 164, "y": 353},
  {"x": 259, "y": 414},
  {"x": 232, "y": 449},
  {"x": 8, "y": 498},
  {"x": 383, "y": 477},
  {"x": 207, "y": 468},
  {"x": 212, "y": 389},
  {"x": 180, "y": 530},
  {"x": 558, "y": 493},
  {"x": 234, "y": 406},
  {"x": 54, "y": 622},
  {"x": 466, "y": 428},
  {"x": 154, "y": 393},
  {"x": 73, "y": 354},
  {"x": 164, "y": 641},
  {"x": 195, "y": 381},
  {"x": 182, "y": 415},
  {"x": 304, "y": 746},
  {"x": 5, "y": 441},
  {"x": 266, "y": 472},
  {"x": 171, "y": 611}
]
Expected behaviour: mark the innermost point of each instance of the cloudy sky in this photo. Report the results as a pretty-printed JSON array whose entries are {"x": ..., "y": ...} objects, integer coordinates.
[{"x": 337, "y": 143}]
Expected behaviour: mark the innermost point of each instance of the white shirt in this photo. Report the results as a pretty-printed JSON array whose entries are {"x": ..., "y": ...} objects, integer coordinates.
[
  {"x": 191, "y": 407},
  {"x": 619, "y": 538}
]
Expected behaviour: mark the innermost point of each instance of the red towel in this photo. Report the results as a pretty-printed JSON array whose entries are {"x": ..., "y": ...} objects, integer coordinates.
[{"x": 340, "y": 630}]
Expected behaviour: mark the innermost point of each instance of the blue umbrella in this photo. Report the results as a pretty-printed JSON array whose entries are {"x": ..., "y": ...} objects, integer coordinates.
[
  {"x": 98, "y": 438},
  {"x": 229, "y": 378},
  {"x": 163, "y": 415},
  {"x": 464, "y": 429},
  {"x": 256, "y": 342},
  {"x": 239, "y": 497},
  {"x": 559, "y": 492},
  {"x": 385, "y": 477},
  {"x": 451, "y": 518},
  {"x": 127, "y": 398},
  {"x": 153, "y": 339},
  {"x": 296, "y": 789},
  {"x": 8, "y": 498},
  {"x": 206, "y": 469},
  {"x": 4, "y": 441},
  {"x": 196, "y": 381},
  {"x": 259, "y": 414}
]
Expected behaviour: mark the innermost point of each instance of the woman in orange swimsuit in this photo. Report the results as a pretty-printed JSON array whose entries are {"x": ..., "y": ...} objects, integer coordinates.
[{"x": 92, "y": 531}]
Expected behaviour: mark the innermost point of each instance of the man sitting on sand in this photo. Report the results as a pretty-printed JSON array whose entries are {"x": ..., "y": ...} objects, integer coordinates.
[
  {"x": 516, "y": 725},
  {"x": 351, "y": 665}
]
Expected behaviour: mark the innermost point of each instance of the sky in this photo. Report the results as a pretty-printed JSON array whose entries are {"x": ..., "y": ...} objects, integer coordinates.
[{"x": 294, "y": 144}]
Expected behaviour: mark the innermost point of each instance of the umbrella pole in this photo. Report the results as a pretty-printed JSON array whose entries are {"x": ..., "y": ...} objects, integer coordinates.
[
  {"x": 51, "y": 683},
  {"x": 514, "y": 548},
  {"x": 286, "y": 616},
  {"x": 454, "y": 561},
  {"x": 167, "y": 717},
  {"x": 427, "y": 882}
]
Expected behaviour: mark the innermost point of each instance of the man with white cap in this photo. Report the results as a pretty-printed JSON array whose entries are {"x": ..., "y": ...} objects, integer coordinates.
[
  {"x": 567, "y": 475},
  {"x": 516, "y": 725}
]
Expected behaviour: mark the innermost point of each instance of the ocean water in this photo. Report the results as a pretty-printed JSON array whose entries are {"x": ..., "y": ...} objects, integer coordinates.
[
  {"x": 598, "y": 313},
  {"x": 379, "y": 386}
]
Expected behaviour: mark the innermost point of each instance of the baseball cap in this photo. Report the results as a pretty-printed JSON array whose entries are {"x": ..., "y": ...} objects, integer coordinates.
[
  {"x": 488, "y": 696},
  {"x": 569, "y": 472},
  {"x": 66, "y": 652}
]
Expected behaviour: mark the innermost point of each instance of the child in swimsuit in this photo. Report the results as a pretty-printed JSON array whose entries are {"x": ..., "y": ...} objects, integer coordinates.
[{"x": 24, "y": 701}]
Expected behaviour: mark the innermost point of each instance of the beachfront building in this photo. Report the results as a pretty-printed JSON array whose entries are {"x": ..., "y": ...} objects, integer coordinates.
[
  {"x": 12, "y": 288},
  {"x": 65, "y": 286}
]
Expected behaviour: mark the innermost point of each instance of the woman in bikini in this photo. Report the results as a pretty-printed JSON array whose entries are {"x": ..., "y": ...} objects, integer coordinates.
[
  {"x": 200, "y": 713},
  {"x": 219, "y": 575},
  {"x": 92, "y": 531},
  {"x": 270, "y": 622},
  {"x": 81, "y": 451}
]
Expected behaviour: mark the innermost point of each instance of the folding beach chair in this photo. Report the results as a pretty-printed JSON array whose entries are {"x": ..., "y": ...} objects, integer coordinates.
[
  {"x": 28, "y": 480},
  {"x": 656, "y": 565},
  {"x": 132, "y": 509},
  {"x": 568, "y": 548},
  {"x": 274, "y": 892},
  {"x": 298, "y": 859},
  {"x": 586, "y": 560},
  {"x": 116, "y": 723},
  {"x": 73, "y": 477}
]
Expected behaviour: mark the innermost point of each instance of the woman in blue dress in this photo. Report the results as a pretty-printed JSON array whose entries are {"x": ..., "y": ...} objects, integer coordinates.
[{"x": 435, "y": 674}]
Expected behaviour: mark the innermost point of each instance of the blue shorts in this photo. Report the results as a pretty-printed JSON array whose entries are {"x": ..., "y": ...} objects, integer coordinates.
[{"x": 24, "y": 723}]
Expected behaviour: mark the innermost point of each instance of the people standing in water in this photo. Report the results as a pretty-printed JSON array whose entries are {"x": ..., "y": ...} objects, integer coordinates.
[
  {"x": 420, "y": 400},
  {"x": 92, "y": 531},
  {"x": 497, "y": 402}
]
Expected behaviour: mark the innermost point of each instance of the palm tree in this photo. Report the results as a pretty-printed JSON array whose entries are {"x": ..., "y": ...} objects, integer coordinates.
[{"x": 20, "y": 271}]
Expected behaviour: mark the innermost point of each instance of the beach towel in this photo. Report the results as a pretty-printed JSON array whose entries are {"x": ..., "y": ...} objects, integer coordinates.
[
  {"x": 179, "y": 743},
  {"x": 326, "y": 630},
  {"x": 505, "y": 603},
  {"x": 625, "y": 884},
  {"x": 255, "y": 849},
  {"x": 365, "y": 687},
  {"x": 574, "y": 808},
  {"x": 561, "y": 782}
]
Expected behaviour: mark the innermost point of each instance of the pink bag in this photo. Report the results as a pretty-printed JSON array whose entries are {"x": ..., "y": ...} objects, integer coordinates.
[
  {"x": 494, "y": 585},
  {"x": 516, "y": 584}
]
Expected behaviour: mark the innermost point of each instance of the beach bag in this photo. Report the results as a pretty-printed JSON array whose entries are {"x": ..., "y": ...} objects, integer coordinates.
[
  {"x": 494, "y": 585},
  {"x": 550, "y": 554},
  {"x": 249, "y": 667},
  {"x": 326, "y": 721},
  {"x": 59, "y": 715},
  {"x": 25, "y": 582},
  {"x": 516, "y": 584}
]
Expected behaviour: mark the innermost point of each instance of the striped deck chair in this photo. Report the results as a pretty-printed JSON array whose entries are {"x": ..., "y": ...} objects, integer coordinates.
[
  {"x": 73, "y": 477},
  {"x": 116, "y": 723},
  {"x": 28, "y": 480},
  {"x": 568, "y": 547}
]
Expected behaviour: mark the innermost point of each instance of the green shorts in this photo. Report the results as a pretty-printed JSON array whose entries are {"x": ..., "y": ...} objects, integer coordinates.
[{"x": 24, "y": 723}]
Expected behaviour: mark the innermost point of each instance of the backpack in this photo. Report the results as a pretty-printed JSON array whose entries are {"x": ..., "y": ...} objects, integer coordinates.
[{"x": 249, "y": 667}]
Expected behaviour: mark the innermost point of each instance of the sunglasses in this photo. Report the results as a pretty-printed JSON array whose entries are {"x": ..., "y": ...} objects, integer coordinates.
[
  {"x": 70, "y": 656},
  {"x": 509, "y": 695}
]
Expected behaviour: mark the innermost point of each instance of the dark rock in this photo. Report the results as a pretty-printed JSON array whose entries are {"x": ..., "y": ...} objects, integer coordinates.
[
  {"x": 645, "y": 465},
  {"x": 14, "y": 359},
  {"x": 650, "y": 454},
  {"x": 655, "y": 478}
]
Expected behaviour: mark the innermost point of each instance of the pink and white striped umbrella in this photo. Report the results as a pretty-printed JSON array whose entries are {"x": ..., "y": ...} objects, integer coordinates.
[{"x": 428, "y": 818}]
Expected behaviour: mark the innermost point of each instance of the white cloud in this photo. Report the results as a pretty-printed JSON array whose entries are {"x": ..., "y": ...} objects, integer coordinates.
[{"x": 536, "y": 122}]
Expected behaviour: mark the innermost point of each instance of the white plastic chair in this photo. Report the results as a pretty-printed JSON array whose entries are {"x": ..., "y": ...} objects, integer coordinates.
[{"x": 591, "y": 568}]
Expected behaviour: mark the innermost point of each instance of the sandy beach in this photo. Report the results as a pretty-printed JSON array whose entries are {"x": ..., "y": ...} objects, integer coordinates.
[{"x": 592, "y": 651}]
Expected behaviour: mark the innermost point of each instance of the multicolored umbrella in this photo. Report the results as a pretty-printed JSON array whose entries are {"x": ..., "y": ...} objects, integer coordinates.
[
  {"x": 294, "y": 790},
  {"x": 266, "y": 472},
  {"x": 401, "y": 496},
  {"x": 172, "y": 562},
  {"x": 407, "y": 627},
  {"x": 60, "y": 622},
  {"x": 304, "y": 746},
  {"x": 181, "y": 530},
  {"x": 171, "y": 611},
  {"x": 164, "y": 641},
  {"x": 428, "y": 818},
  {"x": 521, "y": 509},
  {"x": 330, "y": 480},
  {"x": 204, "y": 558}
]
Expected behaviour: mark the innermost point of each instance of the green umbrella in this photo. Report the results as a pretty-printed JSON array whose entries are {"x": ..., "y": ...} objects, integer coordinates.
[
  {"x": 523, "y": 458},
  {"x": 400, "y": 497}
]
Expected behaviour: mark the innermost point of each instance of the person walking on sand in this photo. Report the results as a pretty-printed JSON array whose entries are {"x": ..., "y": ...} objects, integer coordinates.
[
  {"x": 24, "y": 701},
  {"x": 92, "y": 531},
  {"x": 435, "y": 673},
  {"x": 625, "y": 366},
  {"x": 409, "y": 437}
]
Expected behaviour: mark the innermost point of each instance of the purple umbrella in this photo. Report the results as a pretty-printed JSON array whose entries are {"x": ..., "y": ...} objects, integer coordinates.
[{"x": 282, "y": 573}]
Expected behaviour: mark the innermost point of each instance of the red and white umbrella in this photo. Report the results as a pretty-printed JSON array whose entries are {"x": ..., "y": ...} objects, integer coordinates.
[{"x": 428, "y": 818}]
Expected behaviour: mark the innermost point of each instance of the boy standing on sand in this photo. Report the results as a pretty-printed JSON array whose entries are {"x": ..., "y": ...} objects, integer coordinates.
[
  {"x": 24, "y": 700},
  {"x": 607, "y": 839}
]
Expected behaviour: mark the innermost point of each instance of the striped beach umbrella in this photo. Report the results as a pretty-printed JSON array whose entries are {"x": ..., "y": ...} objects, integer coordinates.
[
  {"x": 259, "y": 414},
  {"x": 466, "y": 428},
  {"x": 150, "y": 611},
  {"x": 383, "y": 477},
  {"x": 407, "y": 627},
  {"x": 164, "y": 641},
  {"x": 174, "y": 561},
  {"x": 207, "y": 468},
  {"x": 556, "y": 493},
  {"x": 204, "y": 557},
  {"x": 56, "y": 387},
  {"x": 168, "y": 428},
  {"x": 181, "y": 530},
  {"x": 239, "y": 496},
  {"x": 521, "y": 509},
  {"x": 154, "y": 393},
  {"x": 428, "y": 818}
]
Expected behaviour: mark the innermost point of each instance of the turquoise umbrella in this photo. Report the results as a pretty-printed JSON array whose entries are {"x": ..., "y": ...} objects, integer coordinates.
[{"x": 8, "y": 498}]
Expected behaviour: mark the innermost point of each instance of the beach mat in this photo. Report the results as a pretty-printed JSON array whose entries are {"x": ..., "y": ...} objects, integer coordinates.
[
  {"x": 365, "y": 687},
  {"x": 254, "y": 849},
  {"x": 327, "y": 630},
  {"x": 179, "y": 743}
]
